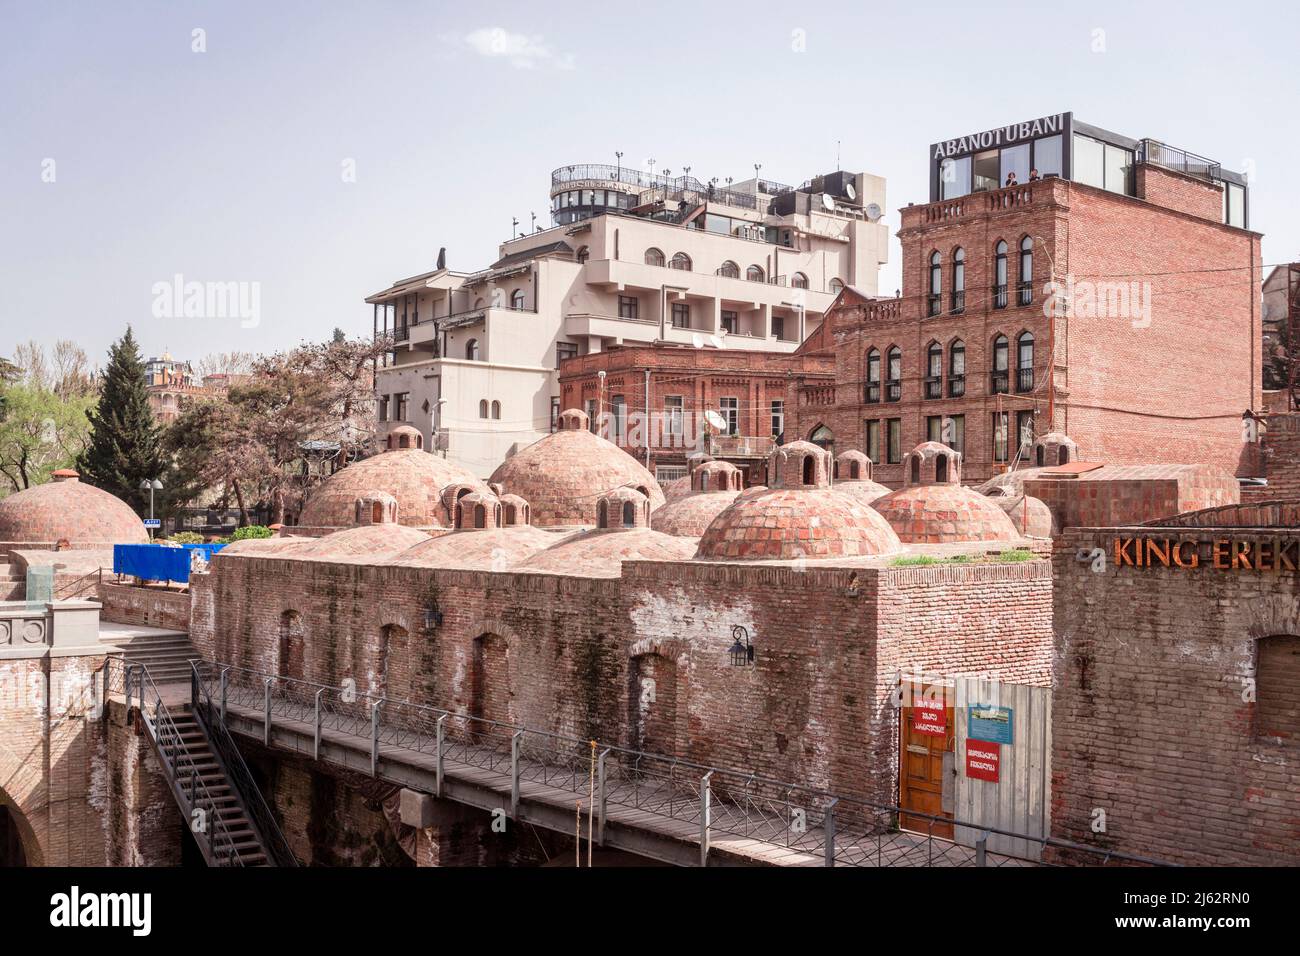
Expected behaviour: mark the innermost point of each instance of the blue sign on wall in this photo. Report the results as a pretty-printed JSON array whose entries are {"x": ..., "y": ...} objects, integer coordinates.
[{"x": 990, "y": 723}]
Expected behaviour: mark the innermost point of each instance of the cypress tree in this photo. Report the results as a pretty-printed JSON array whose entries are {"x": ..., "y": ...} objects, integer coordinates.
[{"x": 125, "y": 445}]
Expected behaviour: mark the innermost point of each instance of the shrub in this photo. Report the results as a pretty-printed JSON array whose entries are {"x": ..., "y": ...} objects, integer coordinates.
[
  {"x": 186, "y": 537},
  {"x": 252, "y": 531},
  {"x": 1016, "y": 554}
]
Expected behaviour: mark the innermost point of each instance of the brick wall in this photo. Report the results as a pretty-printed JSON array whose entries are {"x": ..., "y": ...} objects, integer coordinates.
[
  {"x": 142, "y": 605},
  {"x": 1281, "y": 452},
  {"x": 1152, "y": 722}
]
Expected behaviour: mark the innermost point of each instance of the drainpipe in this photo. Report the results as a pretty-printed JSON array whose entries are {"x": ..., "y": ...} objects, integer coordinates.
[{"x": 646, "y": 425}]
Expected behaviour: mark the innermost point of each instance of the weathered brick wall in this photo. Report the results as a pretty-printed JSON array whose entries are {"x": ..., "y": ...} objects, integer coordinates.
[
  {"x": 1122, "y": 501},
  {"x": 136, "y": 605},
  {"x": 144, "y": 823},
  {"x": 1173, "y": 190},
  {"x": 1281, "y": 451},
  {"x": 1151, "y": 722}
]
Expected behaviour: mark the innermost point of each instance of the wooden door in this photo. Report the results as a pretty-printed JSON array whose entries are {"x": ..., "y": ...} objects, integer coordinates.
[{"x": 923, "y": 742}]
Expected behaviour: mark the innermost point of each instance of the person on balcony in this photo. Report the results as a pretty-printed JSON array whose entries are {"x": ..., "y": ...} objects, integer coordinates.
[
  {"x": 1011, "y": 179},
  {"x": 1033, "y": 176}
]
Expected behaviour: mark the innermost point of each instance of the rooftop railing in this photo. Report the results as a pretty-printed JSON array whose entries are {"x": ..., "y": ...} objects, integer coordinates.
[{"x": 1180, "y": 160}]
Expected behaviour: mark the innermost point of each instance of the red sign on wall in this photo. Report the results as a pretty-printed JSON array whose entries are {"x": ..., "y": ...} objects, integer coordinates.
[
  {"x": 983, "y": 760},
  {"x": 929, "y": 717}
]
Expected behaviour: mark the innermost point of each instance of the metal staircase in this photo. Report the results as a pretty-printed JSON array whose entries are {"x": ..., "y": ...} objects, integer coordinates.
[{"x": 208, "y": 778}]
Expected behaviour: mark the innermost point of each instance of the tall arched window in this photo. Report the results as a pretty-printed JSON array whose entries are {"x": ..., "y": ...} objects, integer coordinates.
[
  {"x": 681, "y": 261},
  {"x": 873, "y": 376},
  {"x": 480, "y": 516},
  {"x": 496, "y": 409},
  {"x": 934, "y": 371},
  {"x": 729, "y": 270},
  {"x": 1000, "y": 275},
  {"x": 653, "y": 257},
  {"x": 629, "y": 514},
  {"x": 1025, "y": 362},
  {"x": 483, "y": 408},
  {"x": 755, "y": 274},
  {"x": 934, "y": 302},
  {"x": 894, "y": 375},
  {"x": 958, "y": 280},
  {"x": 957, "y": 369},
  {"x": 1025, "y": 287},
  {"x": 471, "y": 350},
  {"x": 798, "y": 281},
  {"x": 517, "y": 299},
  {"x": 999, "y": 383}
]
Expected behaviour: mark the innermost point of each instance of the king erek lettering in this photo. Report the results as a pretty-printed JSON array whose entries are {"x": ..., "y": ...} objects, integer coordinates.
[{"x": 77, "y": 909}]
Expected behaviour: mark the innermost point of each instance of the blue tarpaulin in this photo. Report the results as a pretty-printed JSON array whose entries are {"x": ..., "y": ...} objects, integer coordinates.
[{"x": 159, "y": 562}]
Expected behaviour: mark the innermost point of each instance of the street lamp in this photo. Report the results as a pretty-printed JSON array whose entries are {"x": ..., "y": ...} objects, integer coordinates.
[{"x": 151, "y": 486}]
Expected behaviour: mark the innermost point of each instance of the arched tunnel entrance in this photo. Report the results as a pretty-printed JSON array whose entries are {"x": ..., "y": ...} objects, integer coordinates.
[{"x": 12, "y": 852}]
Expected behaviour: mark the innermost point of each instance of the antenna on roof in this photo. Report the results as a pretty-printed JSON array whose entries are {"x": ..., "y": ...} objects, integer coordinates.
[{"x": 837, "y": 156}]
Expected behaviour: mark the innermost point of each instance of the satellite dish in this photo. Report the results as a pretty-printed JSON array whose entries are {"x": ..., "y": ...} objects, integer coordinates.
[
  {"x": 828, "y": 201},
  {"x": 715, "y": 419},
  {"x": 850, "y": 191},
  {"x": 874, "y": 212}
]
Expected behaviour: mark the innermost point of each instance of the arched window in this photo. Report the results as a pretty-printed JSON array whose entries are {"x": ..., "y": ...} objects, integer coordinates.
[
  {"x": 755, "y": 274},
  {"x": 873, "y": 376},
  {"x": 483, "y": 408},
  {"x": 653, "y": 257},
  {"x": 958, "y": 280},
  {"x": 1276, "y": 712},
  {"x": 809, "y": 470},
  {"x": 823, "y": 436},
  {"x": 957, "y": 369},
  {"x": 836, "y": 286},
  {"x": 798, "y": 281},
  {"x": 894, "y": 375},
  {"x": 1025, "y": 287},
  {"x": 512, "y": 514},
  {"x": 999, "y": 384},
  {"x": 583, "y": 254},
  {"x": 681, "y": 261},
  {"x": 629, "y": 514},
  {"x": 1025, "y": 362},
  {"x": 478, "y": 303},
  {"x": 1000, "y": 275},
  {"x": 729, "y": 270},
  {"x": 934, "y": 371},
  {"x": 480, "y": 516},
  {"x": 941, "y": 469},
  {"x": 934, "y": 301},
  {"x": 602, "y": 514},
  {"x": 916, "y": 469},
  {"x": 855, "y": 470},
  {"x": 517, "y": 299},
  {"x": 496, "y": 409},
  {"x": 471, "y": 350}
]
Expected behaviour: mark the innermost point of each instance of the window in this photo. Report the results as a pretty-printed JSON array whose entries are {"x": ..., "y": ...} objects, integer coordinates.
[
  {"x": 873, "y": 376},
  {"x": 954, "y": 177},
  {"x": 1025, "y": 287},
  {"x": 798, "y": 281},
  {"x": 778, "y": 326},
  {"x": 496, "y": 409},
  {"x": 1024, "y": 433},
  {"x": 471, "y": 350},
  {"x": 1025, "y": 362},
  {"x": 555, "y": 412},
  {"x": 1000, "y": 349},
  {"x": 1234, "y": 205},
  {"x": 673, "y": 416},
  {"x": 823, "y": 436},
  {"x": 729, "y": 270},
  {"x": 1102, "y": 165},
  {"x": 681, "y": 261},
  {"x": 383, "y": 408},
  {"x": 730, "y": 321},
  {"x": 1000, "y": 435},
  {"x": 957, "y": 369},
  {"x": 894, "y": 373},
  {"x": 619, "y": 408},
  {"x": 731, "y": 412},
  {"x": 754, "y": 274},
  {"x": 958, "y": 281},
  {"x": 1047, "y": 156},
  {"x": 934, "y": 302},
  {"x": 653, "y": 257},
  {"x": 565, "y": 350},
  {"x": 934, "y": 371},
  {"x": 681, "y": 315},
  {"x": 934, "y": 428},
  {"x": 483, "y": 408},
  {"x": 836, "y": 286},
  {"x": 583, "y": 254},
  {"x": 986, "y": 171},
  {"x": 955, "y": 433},
  {"x": 778, "y": 417},
  {"x": 1000, "y": 275},
  {"x": 1015, "y": 159},
  {"x": 627, "y": 307},
  {"x": 403, "y": 400},
  {"x": 593, "y": 415},
  {"x": 873, "y": 440},
  {"x": 895, "y": 449},
  {"x": 1277, "y": 708},
  {"x": 517, "y": 299}
]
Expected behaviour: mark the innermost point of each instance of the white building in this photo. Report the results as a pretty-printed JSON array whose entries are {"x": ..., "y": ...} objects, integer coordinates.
[{"x": 632, "y": 258}]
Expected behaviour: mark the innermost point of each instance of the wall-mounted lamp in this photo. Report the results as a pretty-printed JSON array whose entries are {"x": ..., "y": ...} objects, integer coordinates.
[
  {"x": 432, "y": 618},
  {"x": 742, "y": 652}
]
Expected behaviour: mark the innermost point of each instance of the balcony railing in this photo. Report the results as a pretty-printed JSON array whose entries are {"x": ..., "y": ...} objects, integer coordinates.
[
  {"x": 873, "y": 393},
  {"x": 1000, "y": 296},
  {"x": 934, "y": 388},
  {"x": 1025, "y": 293},
  {"x": 956, "y": 386},
  {"x": 1000, "y": 383},
  {"x": 958, "y": 302},
  {"x": 741, "y": 446},
  {"x": 894, "y": 391},
  {"x": 1024, "y": 380},
  {"x": 934, "y": 304},
  {"x": 1180, "y": 160}
]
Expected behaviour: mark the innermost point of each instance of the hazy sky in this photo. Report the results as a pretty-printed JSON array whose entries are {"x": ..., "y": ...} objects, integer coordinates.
[{"x": 127, "y": 158}]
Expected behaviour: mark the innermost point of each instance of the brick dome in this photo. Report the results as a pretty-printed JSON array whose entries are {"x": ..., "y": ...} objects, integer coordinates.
[
  {"x": 934, "y": 508},
  {"x": 601, "y": 553},
  {"x": 65, "y": 509},
  {"x": 364, "y": 541},
  {"x": 677, "y": 488},
  {"x": 799, "y": 517},
  {"x": 714, "y": 486},
  {"x": 402, "y": 437},
  {"x": 853, "y": 476},
  {"x": 414, "y": 478},
  {"x": 1030, "y": 515},
  {"x": 562, "y": 475},
  {"x": 494, "y": 549}
]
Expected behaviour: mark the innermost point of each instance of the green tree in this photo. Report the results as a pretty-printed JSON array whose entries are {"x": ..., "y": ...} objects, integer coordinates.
[
  {"x": 40, "y": 432},
  {"x": 125, "y": 444}
]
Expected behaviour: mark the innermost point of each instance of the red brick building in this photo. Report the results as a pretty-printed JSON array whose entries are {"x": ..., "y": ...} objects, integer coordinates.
[
  {"x": 747, "y": 389},
  {"x": 1110, "y": 294}
]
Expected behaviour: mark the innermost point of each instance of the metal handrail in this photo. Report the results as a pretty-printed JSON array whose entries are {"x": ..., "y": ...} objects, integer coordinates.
[
  {"x": 846, "y": 829},
  {"x": 241, "y": 779}
]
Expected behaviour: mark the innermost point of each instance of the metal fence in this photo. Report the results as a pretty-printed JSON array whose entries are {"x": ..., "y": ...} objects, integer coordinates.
[{"x": 831, "y": 829}]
